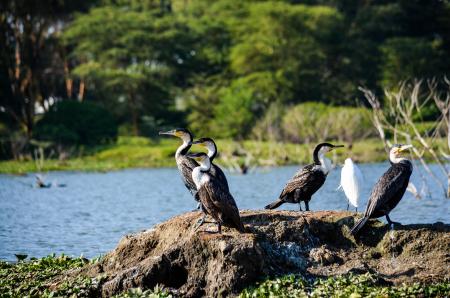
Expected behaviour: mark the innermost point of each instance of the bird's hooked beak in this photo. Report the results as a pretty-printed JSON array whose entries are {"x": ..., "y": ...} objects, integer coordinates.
[
  {"x": 199, "y": 143},
  {"x": 336, "y": 146},
  {"x": 403, "y": 148},
  {"x": 169, "y": 132},
  {"x": 195, "y": 157}
]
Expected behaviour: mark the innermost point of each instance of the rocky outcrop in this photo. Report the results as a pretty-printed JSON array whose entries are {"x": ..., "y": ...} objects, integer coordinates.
[{"x": 314, "y": 244}]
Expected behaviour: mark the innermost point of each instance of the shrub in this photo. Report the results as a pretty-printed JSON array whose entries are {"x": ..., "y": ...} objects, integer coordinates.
[
  {"x": 313, "y": 122},
  {"x": 76, "y": 123}
]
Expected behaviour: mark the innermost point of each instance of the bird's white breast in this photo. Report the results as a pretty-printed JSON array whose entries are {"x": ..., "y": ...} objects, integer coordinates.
[
  {"x": 325, "y": 164},
  {"x": 199, "y": 177}
]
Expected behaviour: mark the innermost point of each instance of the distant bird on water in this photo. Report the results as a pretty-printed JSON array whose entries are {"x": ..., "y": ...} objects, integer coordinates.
[
  {"x": 214, "y": 197},
  {"x": 308, "y": 180},
  {"x": 389, "y": 189},
  {"x": 215, "y": 170},
  {"x": 351, "y": 182},
  {"x": 185, "y": 165}
]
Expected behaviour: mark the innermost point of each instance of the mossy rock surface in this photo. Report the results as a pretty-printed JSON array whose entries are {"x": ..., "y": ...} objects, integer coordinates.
[{"x": 313, "y": 244}]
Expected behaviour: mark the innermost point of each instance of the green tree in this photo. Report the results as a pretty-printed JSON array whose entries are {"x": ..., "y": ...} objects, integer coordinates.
[
  {"x": 406, "y": 58},
  {"x": 70, "y": 122},
  {"x": 33, "y": 68},
  {"x": 296, "y": 43},
  {"x": 132, "y": 59}
]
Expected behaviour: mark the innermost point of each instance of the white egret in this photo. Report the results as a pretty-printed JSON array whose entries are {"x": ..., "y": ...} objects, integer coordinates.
[
  {"x": 351, "y": 182},
  {"x": 413, "y": 189}
]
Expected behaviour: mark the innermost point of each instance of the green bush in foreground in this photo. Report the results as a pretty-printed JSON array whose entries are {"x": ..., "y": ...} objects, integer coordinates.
[{"x": 352, "y": 286}]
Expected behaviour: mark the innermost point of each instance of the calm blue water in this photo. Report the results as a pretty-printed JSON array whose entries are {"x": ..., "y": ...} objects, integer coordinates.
[{"x": 95, "y": 210}]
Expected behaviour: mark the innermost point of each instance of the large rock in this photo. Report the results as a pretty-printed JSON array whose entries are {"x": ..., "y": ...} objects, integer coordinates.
[{"x": 197, "y": 263}]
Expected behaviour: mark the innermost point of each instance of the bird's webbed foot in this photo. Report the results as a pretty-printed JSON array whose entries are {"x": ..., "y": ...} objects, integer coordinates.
[
  {"x": 307, "y": 205},
  {"x": 390, "y": 222},
  {"x": 200, "y": 222}
]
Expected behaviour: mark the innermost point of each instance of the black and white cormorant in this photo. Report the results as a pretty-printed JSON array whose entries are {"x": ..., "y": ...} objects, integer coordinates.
[
  {"x": 308, "y": 180},
  {"x": 185, "y": 165},
  {"x": 389, "y": 189},
  {"x": 216, "y": 200},
  {"x": 215, "y": 170}
]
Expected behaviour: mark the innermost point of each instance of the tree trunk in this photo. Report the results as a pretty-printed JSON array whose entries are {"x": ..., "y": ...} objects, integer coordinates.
[{"x": 134, "y": 114}]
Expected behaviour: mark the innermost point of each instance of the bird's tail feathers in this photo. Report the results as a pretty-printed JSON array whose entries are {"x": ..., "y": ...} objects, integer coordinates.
[
  {"x": 275, "y": 204},
  {"x": 359, "y": 225},
  {"x": 241, "y": 228}
]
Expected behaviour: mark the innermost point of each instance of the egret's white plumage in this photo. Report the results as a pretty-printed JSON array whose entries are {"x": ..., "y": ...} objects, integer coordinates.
[
  {"x": 413, "y": 189},
  {"x": 351, "y": 181}
]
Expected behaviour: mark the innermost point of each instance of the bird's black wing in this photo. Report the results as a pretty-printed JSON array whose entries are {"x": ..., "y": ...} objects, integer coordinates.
[
  {"x": 224, "y": 202},
  {"x": 186, "y": 165},
  {"x": 217, "y": 173},
  {"x": 306, "y": 176},
  {"x": 386, "y": 188}
]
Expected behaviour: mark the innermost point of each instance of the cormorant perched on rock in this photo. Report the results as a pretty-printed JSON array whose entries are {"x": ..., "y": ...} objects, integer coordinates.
[
  {"x": 389, "y": 189},
  {"x": 215, "y": 171},
  {"x": 214, "y": 197},
  {"x": 185, "y": 165},
  {"x": 308, "y": 180}
]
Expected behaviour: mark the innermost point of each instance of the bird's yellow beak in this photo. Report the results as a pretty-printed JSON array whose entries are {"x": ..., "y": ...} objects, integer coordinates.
[
  {"x": 172, "y": 132},
  {"x": 199, "y": 144},
  {"x": 195, "y": 157},
  {"x": 336, "y": 146},
  {"x": 404, "y": 148}
]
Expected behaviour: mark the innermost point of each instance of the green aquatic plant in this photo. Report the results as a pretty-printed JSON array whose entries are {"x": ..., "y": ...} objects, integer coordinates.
[
  {"x": 35, "y": 278},
  {"x": 30, "y": 278},
  {"x": 157, "y": 292},
  {"x": 352, "y": 286}
]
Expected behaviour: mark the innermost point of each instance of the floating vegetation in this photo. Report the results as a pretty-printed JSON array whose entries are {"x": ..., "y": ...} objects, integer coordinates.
[
  {"x": 354, "y": 286},
  {"x": 157, "y": 292},
  {"x": 33, "y": 279}
]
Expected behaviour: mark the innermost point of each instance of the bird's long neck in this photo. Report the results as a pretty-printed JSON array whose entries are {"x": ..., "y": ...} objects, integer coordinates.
[
  {"x": 212, "y": 151},
  {"x": 317, "y": 155},
  {"x": 205, "y": 165},
  {"x": 394, "y": 160},
  {"x": 184, "y": 148},
  {"x": 325, "y": 163},
  {"x": 402, "y": 162}
]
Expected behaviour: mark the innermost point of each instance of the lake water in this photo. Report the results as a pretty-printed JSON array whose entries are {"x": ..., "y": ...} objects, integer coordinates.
[{"x": 95, "y": 210}]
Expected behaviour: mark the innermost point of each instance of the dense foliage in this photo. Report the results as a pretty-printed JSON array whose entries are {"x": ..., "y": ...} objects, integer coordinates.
[
  {"x": 225, "y": 67},
  {"x": 76, "y": 123},
  {"x": 312, "y": 122}
]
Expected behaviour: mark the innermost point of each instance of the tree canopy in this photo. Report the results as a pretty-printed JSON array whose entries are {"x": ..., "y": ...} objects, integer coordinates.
[{"x": 222, "y": 67}]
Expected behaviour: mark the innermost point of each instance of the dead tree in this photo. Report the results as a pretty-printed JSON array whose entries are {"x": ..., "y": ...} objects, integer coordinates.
[{"x": 397, "y": 117}]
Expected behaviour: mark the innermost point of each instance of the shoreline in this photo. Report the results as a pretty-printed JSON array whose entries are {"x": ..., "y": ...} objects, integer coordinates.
[{"x": 137, "y": 152}]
